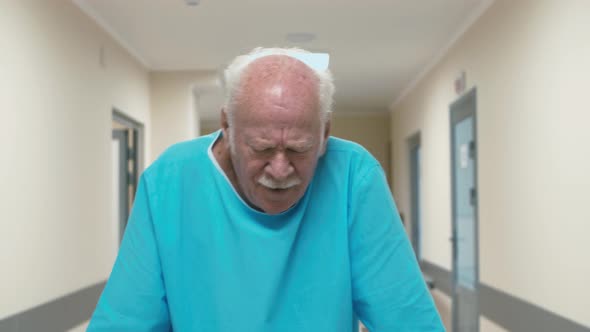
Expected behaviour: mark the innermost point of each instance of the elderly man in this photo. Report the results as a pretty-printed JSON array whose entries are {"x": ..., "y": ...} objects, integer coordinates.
[{"x": 268, "y": 224}]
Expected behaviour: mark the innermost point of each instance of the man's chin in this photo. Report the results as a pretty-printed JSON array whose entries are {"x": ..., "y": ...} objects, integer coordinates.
[
  {"x": 275, "y": 201},
  {"x": 275, "y": 211},
  {"x": 276, "y": 207}
]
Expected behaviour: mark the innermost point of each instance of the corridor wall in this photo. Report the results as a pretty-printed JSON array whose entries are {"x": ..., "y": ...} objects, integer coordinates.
[
  {"x": 60, "y": 77},
  {"x": 530, "y": 63}
]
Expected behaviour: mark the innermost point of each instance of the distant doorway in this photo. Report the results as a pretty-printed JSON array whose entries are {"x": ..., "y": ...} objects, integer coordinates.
[
  {"x": 465, "y": 213},
  {"x": 415, "y": 192},
  {"x": 127, "y": 151}
]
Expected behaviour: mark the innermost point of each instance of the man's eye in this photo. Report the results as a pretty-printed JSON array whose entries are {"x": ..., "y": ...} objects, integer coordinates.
[
  {"x": 262, "y": 150},
  {"x": 294, "y": 150}
]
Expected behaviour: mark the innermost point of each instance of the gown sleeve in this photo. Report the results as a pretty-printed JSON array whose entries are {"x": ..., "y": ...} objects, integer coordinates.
[
  {"x": 134, "y": 298},
  {"x": 389, "y": 292}
]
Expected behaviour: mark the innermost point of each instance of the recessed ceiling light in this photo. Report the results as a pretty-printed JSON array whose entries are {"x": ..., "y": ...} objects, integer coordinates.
[
  {"x": 192, "y": 2},
  {"x": 300, "y": 37},
  {"x": 317, "y": 61}
]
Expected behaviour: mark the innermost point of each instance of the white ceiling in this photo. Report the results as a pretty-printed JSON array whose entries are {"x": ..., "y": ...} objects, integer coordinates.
[{"x": 378, "y": 48}]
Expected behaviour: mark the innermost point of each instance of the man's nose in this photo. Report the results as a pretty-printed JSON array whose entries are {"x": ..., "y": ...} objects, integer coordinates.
[{"x": 279, "y": 167}]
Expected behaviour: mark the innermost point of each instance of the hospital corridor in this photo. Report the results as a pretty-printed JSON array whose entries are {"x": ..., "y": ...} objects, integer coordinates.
[{"x": 477, "y": 111}]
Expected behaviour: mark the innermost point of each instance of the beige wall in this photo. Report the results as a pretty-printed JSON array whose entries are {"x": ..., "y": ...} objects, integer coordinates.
[
  {"x": 530, "y": 62},
  {"x": 209, "y": 126},
  {"x": 175, "y": 113},
  {"x": 487, "y": 325},
  {"x": 371, "y": 130},
  {"x": 55, "y": 148}
]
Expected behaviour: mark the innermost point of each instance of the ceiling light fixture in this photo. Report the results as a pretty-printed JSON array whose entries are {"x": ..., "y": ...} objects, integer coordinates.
[{"x": 192, "y": 2}]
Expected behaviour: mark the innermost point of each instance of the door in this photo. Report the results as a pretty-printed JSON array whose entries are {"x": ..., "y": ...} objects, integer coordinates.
[
  {"x": 414, "y": 144},
  {"x": 465, "y": 221},
  {"x": 127, "y": 141}
]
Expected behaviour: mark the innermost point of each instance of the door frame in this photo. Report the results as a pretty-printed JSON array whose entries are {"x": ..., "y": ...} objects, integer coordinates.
[
  {"x": 122, "y": 137},
  {"x": 462, "y": 108}
]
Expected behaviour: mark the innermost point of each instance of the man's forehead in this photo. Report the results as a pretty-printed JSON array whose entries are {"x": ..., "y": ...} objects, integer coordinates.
[{"x": 288, "y": 85}]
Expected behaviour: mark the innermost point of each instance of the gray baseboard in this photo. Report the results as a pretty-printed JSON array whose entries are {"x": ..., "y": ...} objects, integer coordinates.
[
  {"x": 508, "y": 311},
  {"x": 442, "y": 277},
  {"x": 58, "y": 315}
]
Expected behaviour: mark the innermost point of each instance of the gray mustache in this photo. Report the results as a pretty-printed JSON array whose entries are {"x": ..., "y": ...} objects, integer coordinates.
[{"x": 273, "y": 184}]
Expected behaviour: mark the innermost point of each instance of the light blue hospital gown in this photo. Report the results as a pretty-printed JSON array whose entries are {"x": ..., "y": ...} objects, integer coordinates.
[{"x": 195, "y": 257}]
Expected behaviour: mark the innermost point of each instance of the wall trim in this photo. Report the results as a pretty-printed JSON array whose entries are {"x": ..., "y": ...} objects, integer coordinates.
[
  {"x": 506, "y": 310},
  {"x": 58, "y": 315}
]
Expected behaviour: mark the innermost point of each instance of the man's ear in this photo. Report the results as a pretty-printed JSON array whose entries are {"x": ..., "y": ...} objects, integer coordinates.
[{"x": 224, "y": 123}]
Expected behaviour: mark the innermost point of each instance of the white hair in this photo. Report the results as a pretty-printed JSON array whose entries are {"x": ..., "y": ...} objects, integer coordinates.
[{"x": 233, "y": 74}]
